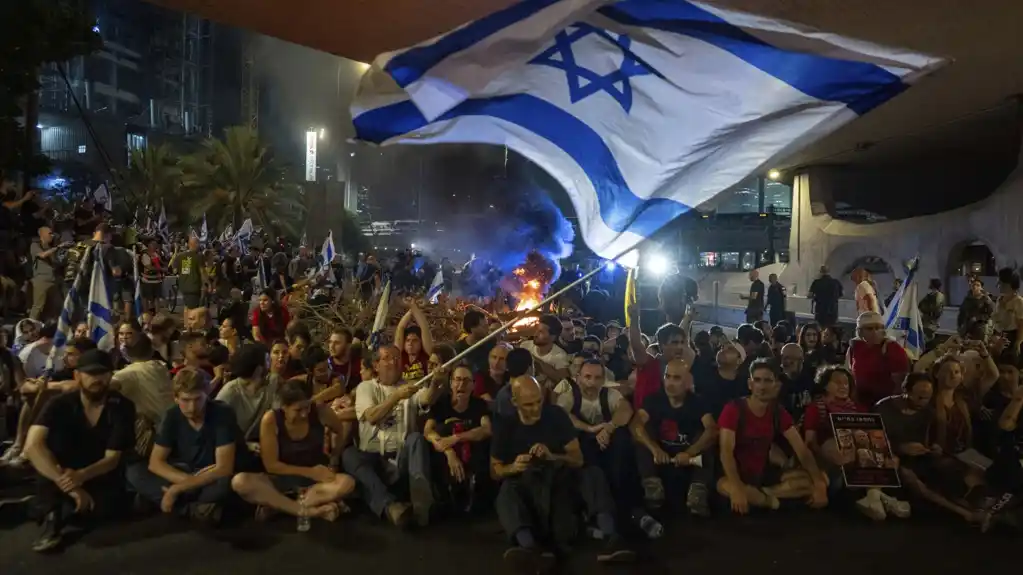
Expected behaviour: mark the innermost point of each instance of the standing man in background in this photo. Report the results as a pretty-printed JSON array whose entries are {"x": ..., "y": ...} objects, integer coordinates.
[
  {"x": 776, "y": 297},
  {"x": 824, "y": 293},
  {"x": 755, "y": 299}
]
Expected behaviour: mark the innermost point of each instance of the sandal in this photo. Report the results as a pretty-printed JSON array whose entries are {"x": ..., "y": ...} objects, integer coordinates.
[
  {"x": 335, "y": 509},
  {"x": 264, "y": 513}
]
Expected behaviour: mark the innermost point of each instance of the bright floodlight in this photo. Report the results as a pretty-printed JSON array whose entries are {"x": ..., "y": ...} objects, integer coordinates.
[
  {"x": 412, "y": 245},
  {"x": 658, "y": 264},
  {"x": 610, "y": 265},
  {"x": 773, "y": 174}
]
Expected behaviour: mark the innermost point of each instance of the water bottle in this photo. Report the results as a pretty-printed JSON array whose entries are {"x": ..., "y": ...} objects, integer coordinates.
[{"x": 303, "y": 514}]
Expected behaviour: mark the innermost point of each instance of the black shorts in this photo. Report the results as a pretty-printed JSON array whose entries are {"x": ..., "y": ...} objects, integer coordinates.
[
  {"x": 192, "y": 300},
  {"x": 152, "y": 290},
  {"x": 288, "y": 484}
]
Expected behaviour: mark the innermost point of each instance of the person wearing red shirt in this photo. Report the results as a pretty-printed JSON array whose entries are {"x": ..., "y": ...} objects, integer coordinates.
[
  {"x": 878, "y": 364},
  {"x": 269, "y": 319},
  {"x": 748, "y": 427},
  {"x": 415, "y": 342},
  {"x": 671, "y": 339}
]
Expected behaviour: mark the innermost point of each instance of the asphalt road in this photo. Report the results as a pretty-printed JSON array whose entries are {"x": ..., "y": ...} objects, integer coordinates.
[{"x": 792, "y": 541}]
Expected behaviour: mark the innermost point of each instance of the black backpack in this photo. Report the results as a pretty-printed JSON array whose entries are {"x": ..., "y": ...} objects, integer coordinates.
[{"x": 577, "y": 402}]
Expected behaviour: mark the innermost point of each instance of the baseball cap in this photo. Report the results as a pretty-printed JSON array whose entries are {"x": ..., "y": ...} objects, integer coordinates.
[{"x": 95, "y": 362}]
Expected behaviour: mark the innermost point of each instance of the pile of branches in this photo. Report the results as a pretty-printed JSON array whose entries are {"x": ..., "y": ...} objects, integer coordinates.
[{"x": 348, "y": 309}]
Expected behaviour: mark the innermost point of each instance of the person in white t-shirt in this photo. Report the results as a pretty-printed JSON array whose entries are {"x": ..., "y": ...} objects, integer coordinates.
[
  {"x": 866, "y": 295},
  {"x": 391, "y": 450},
  {"x": 552, "y": 362}
]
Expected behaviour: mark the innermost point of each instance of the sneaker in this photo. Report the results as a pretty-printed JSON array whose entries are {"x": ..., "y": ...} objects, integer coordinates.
[
  {"x": 52, "y": 535},
  {"x": 421, "y": 494},
  {"x": 615, "y": 551},
  {"x": 399, "y": 514},
  {"x": 696, "y": 500},
  {"x": 872, "y": 507},
  {"x": 653, "y": 492},
  {"x": 529, "y": 561},
  {"x": 13, "y": 457},
  {"x": 893, "y": 506}
]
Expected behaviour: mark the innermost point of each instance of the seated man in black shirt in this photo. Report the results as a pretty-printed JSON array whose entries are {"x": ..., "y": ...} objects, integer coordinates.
[
  {"x": 458, "y": 428},
  {"x": 190, "y": 468},
  {"x": 537, "y": 455},
  {"x": 677, "y": 436},
  {"x": 76, "y": 446}
]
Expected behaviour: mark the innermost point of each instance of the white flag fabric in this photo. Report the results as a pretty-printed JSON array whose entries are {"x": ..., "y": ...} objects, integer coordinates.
[
  {"x": 204, "y": 231},
  {"x": 380, "y": 320},
  {"x": 102, "y": 196},
  {"x": 641, "y": 109},
  {"x": 435, "y": 288},
  {"x": 902, "y": 320}
]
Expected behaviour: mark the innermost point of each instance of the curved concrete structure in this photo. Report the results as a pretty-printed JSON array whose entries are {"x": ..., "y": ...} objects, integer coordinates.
[{"x": 818, "y": 239}]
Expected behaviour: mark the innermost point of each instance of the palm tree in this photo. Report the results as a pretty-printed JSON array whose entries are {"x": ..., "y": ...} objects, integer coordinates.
[
  {"x": 154, "y": 177},
  {"x": 236, "y": 178}
]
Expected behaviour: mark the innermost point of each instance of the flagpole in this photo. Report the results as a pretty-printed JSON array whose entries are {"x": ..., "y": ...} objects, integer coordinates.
[{"x": 512, "y": 322}]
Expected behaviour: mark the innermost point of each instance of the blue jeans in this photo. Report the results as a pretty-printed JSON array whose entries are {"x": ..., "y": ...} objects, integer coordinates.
[{"x": 367, "y": 469}]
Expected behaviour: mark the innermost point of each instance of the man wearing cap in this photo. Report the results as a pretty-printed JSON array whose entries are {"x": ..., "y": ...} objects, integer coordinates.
[
  {"x": 76, "y": 446},
  {"x": 878, "y": 363}
]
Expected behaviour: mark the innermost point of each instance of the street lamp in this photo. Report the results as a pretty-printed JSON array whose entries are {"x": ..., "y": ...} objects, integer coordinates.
[{"x": 774, "y": 175}]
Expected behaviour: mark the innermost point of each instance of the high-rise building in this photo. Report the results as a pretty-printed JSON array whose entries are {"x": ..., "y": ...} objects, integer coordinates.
[{"x": 156, "y": 76}]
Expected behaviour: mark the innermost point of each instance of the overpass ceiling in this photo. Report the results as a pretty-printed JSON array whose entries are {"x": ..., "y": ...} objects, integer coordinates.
[{"x": 985, "y": 38}]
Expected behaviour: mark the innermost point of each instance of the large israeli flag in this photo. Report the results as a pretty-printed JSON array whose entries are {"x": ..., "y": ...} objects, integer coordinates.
[
  {"x": 902, "y": 319},
  {"x": 641, "y": 109}
]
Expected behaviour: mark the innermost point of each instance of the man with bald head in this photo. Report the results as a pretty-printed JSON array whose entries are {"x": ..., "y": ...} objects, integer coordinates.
[
  {"x": 44, "y": 281},
  {"x": 392, "y": 453},
  {"x": 536, "y": 453},
  {"x": 677, "y": 437},
  {"x": 796, "y": 383}
]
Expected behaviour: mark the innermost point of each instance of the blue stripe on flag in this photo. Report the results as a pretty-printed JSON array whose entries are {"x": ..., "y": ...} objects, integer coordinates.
[
  {"x": 413, "y": 64},
  {"x": 620, "y": 208},
  {"x": 859, "y": 85}
]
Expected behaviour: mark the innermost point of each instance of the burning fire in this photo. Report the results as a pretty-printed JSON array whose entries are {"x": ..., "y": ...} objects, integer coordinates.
[{"x": 529, "y": 298}]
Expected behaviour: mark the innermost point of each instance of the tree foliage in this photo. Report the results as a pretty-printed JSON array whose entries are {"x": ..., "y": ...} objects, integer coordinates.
[
  {"x": 37, "y": 32},
  {"x": 153, "y": 177},
  {"x": 236, "y": 178}
]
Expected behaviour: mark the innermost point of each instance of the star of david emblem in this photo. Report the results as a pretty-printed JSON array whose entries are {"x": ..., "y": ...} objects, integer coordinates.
[{"x": 583, "y": 82}]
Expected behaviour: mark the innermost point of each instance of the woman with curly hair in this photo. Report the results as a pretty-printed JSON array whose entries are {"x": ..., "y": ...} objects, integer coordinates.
[{"x": 840, "y": 397}]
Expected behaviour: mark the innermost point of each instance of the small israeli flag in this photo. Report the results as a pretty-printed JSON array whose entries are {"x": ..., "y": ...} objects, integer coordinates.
[
  {"x": 641, "y": 109},
  {"x": 243, "y": 235},
  {"x": 380, "y": 320},
  {"x": 67, "y": 314},
  {"x": 261, "y": 281},
  {"x": 204, "y": 232},
  {"x": 102, "y": 196},
  {"x": 138, "y": 285},
  {"x": 162, "y": 227},
  {"x": 435, "y": 288},
  {"x": 902, "y": 319},
  {"x": 304, "y": 242},
  {"x": 100, "y": 311}
]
